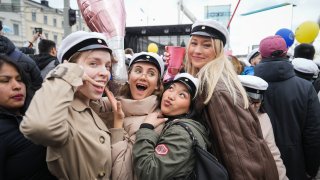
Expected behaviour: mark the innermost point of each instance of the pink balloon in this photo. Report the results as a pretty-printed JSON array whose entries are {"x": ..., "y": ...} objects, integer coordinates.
[
  {"x": 108, "y": 17},
  {"x": 104, "y": 16}
]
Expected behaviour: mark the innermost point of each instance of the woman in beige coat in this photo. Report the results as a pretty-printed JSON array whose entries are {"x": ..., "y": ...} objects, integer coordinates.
[
  {"x": 140, "y": 96},
  {"x": 255, "y": 87},
  {"x": 60, "y": 117}
]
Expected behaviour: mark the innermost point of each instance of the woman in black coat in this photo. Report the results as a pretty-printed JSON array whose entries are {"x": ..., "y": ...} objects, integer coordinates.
[{"x": 19, "y": 157}]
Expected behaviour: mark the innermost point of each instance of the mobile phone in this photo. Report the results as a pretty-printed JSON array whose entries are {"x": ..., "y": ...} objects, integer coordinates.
[{"x": 38, "y": 30}]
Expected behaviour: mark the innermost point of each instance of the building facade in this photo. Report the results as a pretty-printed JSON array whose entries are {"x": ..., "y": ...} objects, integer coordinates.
[{"x": 21, "y": 17}]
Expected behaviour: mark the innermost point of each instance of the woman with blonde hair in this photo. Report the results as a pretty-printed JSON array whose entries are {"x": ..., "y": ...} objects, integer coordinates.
[{"x": 224, "y": 107}]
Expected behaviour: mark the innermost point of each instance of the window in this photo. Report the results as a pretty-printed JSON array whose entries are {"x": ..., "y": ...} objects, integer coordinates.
[
  {"x": 62, "y": 24},
  {"x": 46, "y": 35},
  {"x": 16, "y": 29},
  {"x": 55, "y": 38},
  {"x": 54, "y": 22},
  {"x": 34, "y": 16},
  {"x": 45, "y": 19}
]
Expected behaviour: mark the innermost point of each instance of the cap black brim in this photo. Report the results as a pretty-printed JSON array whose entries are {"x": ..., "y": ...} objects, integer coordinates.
[
  {"x": 201, "y": 33},
  {"x": 255, "y": 95},
  {"x": 95, "y": 46}
]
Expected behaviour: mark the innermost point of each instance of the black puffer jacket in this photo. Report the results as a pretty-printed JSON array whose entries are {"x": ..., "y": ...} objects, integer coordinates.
[
  {"x": 316, "y": 84},
  {"x": 19, "y": 157},
  {"x": 294, "y": 110},
  {"x": 27, "y": 64}
]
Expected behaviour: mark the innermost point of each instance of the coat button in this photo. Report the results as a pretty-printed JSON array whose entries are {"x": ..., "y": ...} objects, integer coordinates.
[
  {"x": 102, "y": 140},
  {"x": 101, "y": 174}
]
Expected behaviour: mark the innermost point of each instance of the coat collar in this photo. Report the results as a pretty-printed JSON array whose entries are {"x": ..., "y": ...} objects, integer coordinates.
[
  {"x": 80, "y": 106},
  {"x": 144, "y": 106}
]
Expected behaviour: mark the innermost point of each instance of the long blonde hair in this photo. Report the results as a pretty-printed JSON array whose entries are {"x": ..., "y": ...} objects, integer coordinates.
[{"x": 218, "y": 68}]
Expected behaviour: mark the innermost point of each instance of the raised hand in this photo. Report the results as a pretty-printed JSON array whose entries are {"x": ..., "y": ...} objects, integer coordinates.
[
  {"x": 155, "y": 119},
  {"x": 85, "y": 77},
  {"x": 166, "y": 56},
  {"x": 118, "y": 113}
]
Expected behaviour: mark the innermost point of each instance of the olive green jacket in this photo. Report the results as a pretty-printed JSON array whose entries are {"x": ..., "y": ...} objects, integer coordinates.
[{"x": 168, "y": 155}]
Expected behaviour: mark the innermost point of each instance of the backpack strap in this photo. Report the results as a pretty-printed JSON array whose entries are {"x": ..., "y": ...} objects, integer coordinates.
[{"x": 187, "y": 128}]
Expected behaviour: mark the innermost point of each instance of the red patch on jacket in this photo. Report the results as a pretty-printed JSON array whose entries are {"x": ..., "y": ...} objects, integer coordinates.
[{"x": 162, "y": 149}]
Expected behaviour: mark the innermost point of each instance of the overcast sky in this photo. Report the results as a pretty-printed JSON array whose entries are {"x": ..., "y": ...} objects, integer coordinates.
[{"x": 244, "y": 30}]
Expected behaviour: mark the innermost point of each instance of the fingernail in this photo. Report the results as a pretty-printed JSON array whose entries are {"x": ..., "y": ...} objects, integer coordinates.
[{"x": 166, "y": 119}]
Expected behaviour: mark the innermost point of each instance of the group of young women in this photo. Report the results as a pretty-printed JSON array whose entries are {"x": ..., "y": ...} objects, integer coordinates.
[{"x": 132, "y": 136}]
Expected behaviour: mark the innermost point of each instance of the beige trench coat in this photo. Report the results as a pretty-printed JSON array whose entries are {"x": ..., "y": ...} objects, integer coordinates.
[
  {"x": 78, "y": 141},
  {"x": 268, "y": 136}
]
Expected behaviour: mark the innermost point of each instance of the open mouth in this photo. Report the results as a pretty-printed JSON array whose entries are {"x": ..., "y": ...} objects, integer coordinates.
[{"x": 141, "y": 87}]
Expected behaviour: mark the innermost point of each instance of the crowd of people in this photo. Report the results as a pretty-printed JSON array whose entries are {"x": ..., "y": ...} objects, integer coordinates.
[{"x": 60, "y": 120}]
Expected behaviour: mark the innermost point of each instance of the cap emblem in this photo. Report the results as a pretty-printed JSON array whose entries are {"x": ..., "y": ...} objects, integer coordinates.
[
  {"x": 148, "y": 57},
  {"x": 186, "y": 80},
  {"x": 99, "y": 41},
  {"x": 203, "y": 27}
]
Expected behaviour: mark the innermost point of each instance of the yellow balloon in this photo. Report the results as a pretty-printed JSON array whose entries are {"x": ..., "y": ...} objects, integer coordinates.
[
  {"x": 152, "y": 47},
  {"x": 307, "y": 32}
]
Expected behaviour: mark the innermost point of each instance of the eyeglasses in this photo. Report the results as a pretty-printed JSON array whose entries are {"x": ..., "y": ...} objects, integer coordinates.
[{"x": 138, "y": 73}]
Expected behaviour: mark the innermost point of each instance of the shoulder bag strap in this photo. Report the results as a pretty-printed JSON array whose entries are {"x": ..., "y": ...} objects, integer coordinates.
[{"x": 187, "y": 128}]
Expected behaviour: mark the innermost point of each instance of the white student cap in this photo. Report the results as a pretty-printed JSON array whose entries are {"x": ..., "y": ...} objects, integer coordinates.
[
  {"x": 305, "y": 66},
  {"x": 211, "y": 28},
  {"x": 81, "y": 41},
  {"x": 254, "y": 85},
  {"x": 188, "y": 80},
  {"x": 149, "y": 57}
]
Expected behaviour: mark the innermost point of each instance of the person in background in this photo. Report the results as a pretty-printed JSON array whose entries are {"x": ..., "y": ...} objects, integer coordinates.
[
  {"x": 304, "y": 50},
  {"x": 35, "y": 37},
  {"x": 60, "y": 116},
  {"x": 170, "y": 155},
  {"x": 294, "y": 110},
  {"x": 307, "y": 51},
  {"x": 253, "y": 58},
  {"x": 27, "y": 64},
  {"x": 305, "y": 69},
  {"x": 46, "y": 60},
  {"x": 128, "y": 52},
  {"x": 255, "y": 88},
  {"x": 237, "y": 64},
  {"x": 317, "y": 61},
  {"x": 19, "y": 157},
  {"x": 224, "y": 107}
]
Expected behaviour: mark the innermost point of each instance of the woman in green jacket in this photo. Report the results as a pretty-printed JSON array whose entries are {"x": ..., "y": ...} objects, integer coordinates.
[{"x": 169, "y": 155}]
